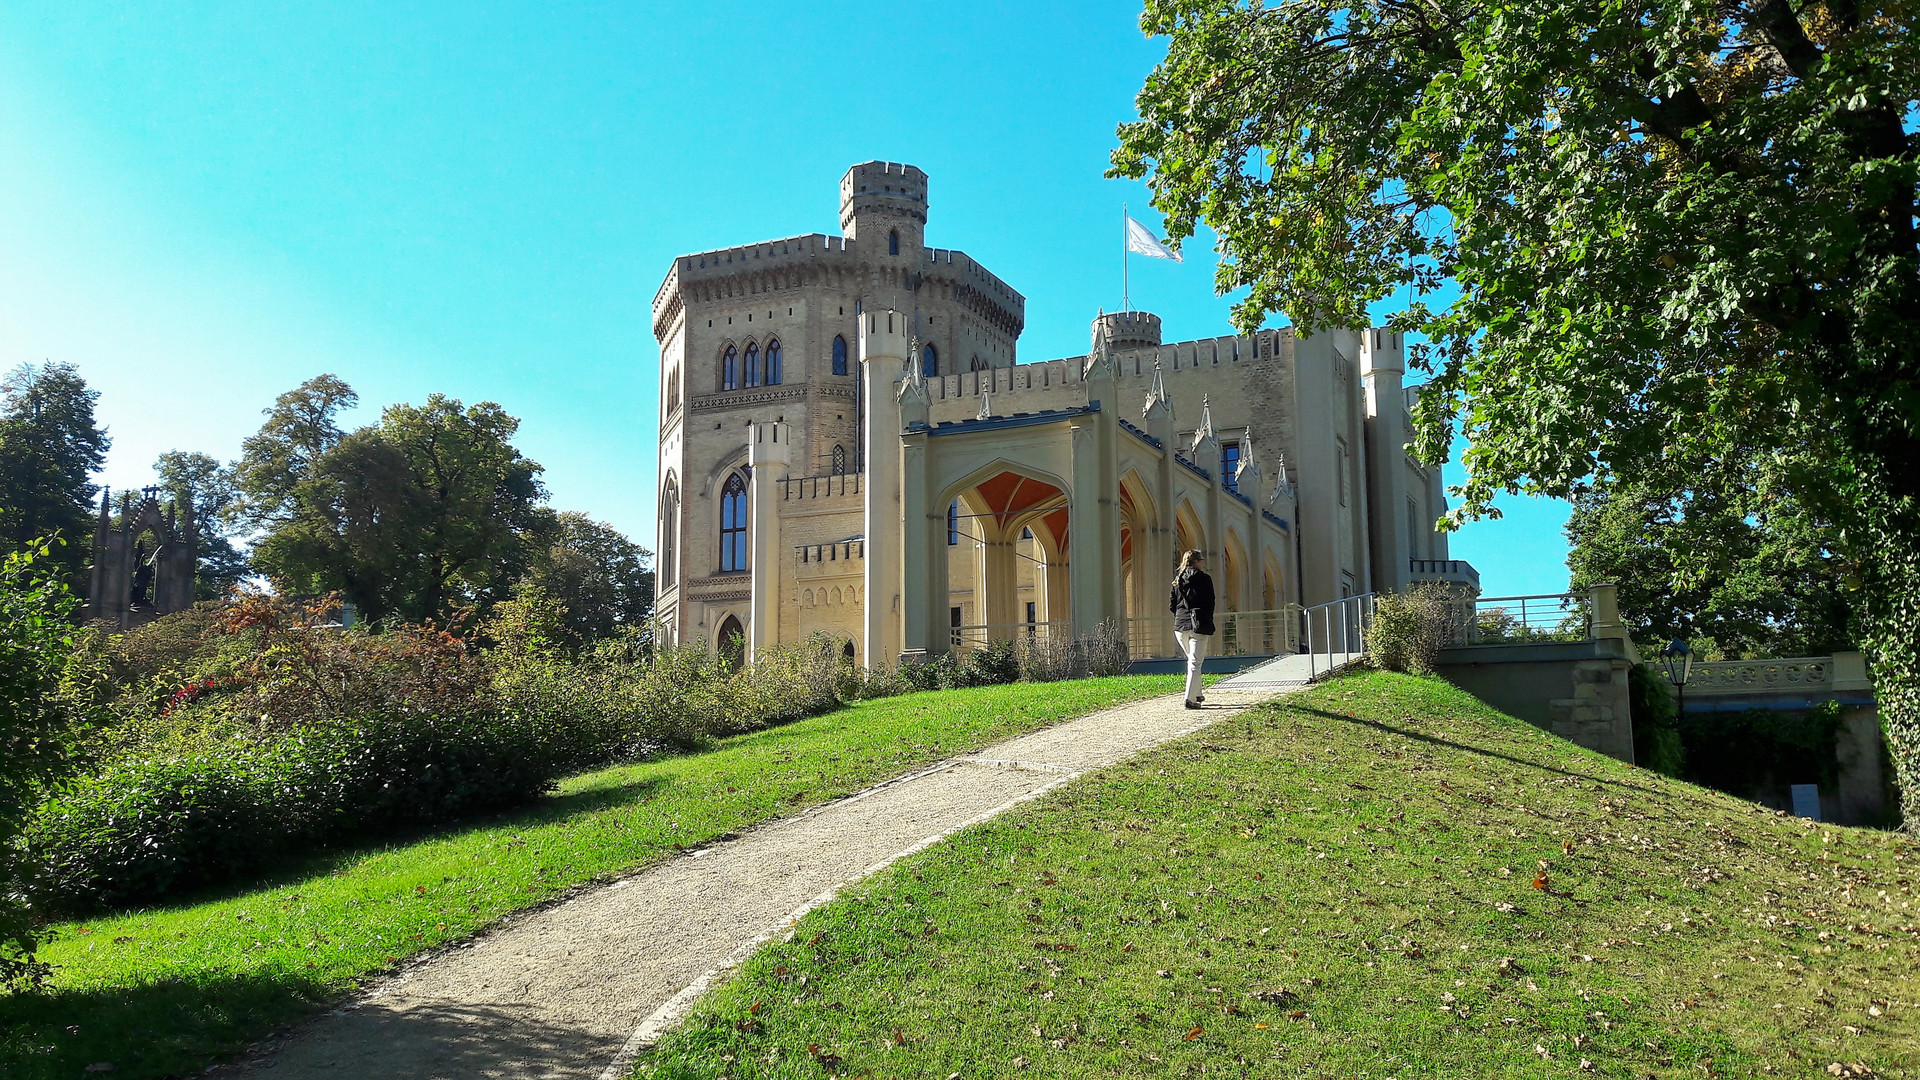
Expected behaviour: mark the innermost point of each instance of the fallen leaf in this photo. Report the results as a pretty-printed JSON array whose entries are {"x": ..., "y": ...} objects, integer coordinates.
[{"x": 1196, "y": 1033}]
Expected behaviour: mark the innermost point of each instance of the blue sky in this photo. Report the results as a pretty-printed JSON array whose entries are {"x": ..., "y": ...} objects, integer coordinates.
[{"x": 202, "y": 205}]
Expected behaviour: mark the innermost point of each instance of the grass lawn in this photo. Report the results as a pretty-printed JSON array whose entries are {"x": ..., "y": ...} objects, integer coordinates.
[
  {"x": 163, "y": 992},
  {"x": 1380, "y": 877}
]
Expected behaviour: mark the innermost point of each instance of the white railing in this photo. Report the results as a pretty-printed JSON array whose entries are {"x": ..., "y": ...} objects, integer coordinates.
[
  {"x": 1241, "y": 633},
  {"x": 1337, "y": 629},
  {"x": 1517, "y": 620}
]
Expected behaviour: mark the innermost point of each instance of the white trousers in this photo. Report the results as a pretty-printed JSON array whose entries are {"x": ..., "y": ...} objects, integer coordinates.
[{"x": 1194, "y": 647}]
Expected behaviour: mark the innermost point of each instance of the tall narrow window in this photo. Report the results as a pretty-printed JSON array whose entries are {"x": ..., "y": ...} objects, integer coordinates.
[
  {"x": 752, "y": 364},
  {"x": 730, "y": 370},
  {"x": 773, "y": 362},
  {"x": 733, "y": 524},
  {"x": 893, "y": 242},
  {"x": 953, "y": 523},
  {"x": 1413, "y": 529},
  {"x": 839, "y": 461},
  {"x": 1230, "y": 466},
  {"x": 1340, "y": 466},
  {"x": 839, "y": 356},
  {"x": 929, "y": 360},
  {"x": 669, "y": 533}
]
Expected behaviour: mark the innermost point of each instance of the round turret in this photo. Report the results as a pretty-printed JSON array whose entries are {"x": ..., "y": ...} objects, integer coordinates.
[
  {"x": 1129, "y": 330},
  {"x": 881, "y": 197}
]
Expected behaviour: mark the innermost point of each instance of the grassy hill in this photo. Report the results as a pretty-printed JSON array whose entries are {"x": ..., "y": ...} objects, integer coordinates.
[
  {"x": 162, "y": 992},
  {"x": 1380, "y": 877}
]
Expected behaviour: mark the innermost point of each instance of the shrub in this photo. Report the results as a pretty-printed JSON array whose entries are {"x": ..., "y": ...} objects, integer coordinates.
[
  {"x": 36, "y": 729},
  {"x": 1411, "y": 626},
  {"x": 143, "y": 828},
  {"x": 1656, "y": 730},
  {"x": 1051, "y": 658}
]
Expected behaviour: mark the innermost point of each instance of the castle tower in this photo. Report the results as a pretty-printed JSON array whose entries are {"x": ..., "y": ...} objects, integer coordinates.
[
  {"x": 883, "y": 204},
  {"x": 1128, "y": 330}
]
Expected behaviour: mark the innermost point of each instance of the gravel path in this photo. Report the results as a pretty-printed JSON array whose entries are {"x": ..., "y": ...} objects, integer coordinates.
[{"x": 576, "y": 990}]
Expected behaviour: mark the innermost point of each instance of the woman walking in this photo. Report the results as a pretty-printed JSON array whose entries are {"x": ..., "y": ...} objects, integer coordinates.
[{"x": 1191, "y": 602}]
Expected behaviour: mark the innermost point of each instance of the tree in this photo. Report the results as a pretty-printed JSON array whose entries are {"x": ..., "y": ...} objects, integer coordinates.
[
  {"x": 429, "y": 509},
  {"x": 50, "y": 446},
  {"x": 599, "y": 575},
  {"x": 201, "y": 482},
  {"x": 1683, "y": 236},
  {"x": 1692, "y": 566},
  {"x": 37, "y": 723},
  {"x": 302, "y": 425}
]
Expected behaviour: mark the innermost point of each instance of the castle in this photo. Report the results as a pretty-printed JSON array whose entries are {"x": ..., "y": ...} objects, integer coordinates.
[{"x": 849, "y": 444}]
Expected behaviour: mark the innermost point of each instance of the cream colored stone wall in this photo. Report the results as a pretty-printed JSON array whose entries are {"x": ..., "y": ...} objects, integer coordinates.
[{"x": 1299, "y": 400}]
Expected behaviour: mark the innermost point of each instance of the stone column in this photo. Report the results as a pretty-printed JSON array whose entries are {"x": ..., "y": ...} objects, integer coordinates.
[
  {"x": 1383, "y": 366},
  {"x": 1093, "y": 522},
  {"x": 997, "y": 587},
  {"x": 1158, "y": 417},
  {"x": 883, "y": 352},
  {"x": 769, "y": 456}
]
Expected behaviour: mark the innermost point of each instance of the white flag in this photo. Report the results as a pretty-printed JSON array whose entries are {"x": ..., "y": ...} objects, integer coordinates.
[{"x": 1145, "y": 243}]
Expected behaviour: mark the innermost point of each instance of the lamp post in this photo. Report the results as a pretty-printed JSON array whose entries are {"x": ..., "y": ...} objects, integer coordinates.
[{"x": 1679, "y": 661}]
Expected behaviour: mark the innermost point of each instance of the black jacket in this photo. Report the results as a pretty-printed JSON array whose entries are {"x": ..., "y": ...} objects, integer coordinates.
[{"x": 1191, "y": 602}]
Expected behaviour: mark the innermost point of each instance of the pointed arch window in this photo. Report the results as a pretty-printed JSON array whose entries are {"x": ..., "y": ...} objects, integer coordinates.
[
  {"x": 730, "y": 370},
  {"x": 839, "y": 461},
  {"x": 893, "y": 242},
  {"x": 752, "y": 364},
  {"x": 733, "y": 524},
  {"x": 929, "y": 360},
  {"x": 839, "y": 356},
  {"x": 953, "y": 523},
  {"x": 670, "y": 533},
  {"x": 773, "y": 362}
]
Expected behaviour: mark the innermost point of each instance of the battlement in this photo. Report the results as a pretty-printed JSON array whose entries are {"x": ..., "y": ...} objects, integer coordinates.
[
  {"x": 885, "y": 189},
  {"x": 1128, "y": 330}
]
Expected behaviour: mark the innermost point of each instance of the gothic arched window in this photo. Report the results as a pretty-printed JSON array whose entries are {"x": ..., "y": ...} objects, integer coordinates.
[
  {"x": 753, "y": 364},
  {"x": 893, "y": 242},
  {"x": 732, "y": 643},
  {"x": 669, "y": 532},
  {"x": 733, "y": 524},
  {"x": 953, "y": 523},
  {"x": 839, "y": 356},
  {"x": 730, "y": 370},
  {"x": 773, "y": 363},
  {"x": 929, "y": 360},
  {"x": 839, "y": 461}
]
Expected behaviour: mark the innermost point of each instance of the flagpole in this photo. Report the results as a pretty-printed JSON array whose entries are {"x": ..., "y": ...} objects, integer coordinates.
[{"x": 1126, "y": 285}]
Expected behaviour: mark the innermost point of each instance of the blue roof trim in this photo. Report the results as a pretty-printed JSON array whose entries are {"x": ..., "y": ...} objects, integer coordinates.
[
  {"x": 1277, "y": 520},
  {"x": 1143, "y": 436},
  {"x": 1241, "y": 497},
  {"x": 1197, "y": 470},
  {"x": 968, "y": 427}
]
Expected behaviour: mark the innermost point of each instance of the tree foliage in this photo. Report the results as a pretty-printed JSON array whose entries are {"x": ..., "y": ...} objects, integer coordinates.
[
  {"x": 1693, "y": 566},
  {"x": 430, "y": 509},
  {"x": 1683, "y": 236},
  {"x": 201, "y": 482},
  {"x": 36, "y": 725},
  {"x": 50, "y": 446},
  {"x": 597, "y": 574}
]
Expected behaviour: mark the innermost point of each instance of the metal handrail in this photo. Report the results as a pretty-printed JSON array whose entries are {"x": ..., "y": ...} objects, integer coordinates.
[{"x": 1344, "y": 622}]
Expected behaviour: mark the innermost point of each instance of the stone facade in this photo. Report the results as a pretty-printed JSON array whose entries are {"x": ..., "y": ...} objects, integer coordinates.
[{"x": 851, "y": 445}]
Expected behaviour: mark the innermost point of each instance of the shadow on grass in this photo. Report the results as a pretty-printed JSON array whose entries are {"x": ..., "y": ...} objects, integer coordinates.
[
  {"x": 171, "y": 1028},
  {"x": 1433, "y": 740}
]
